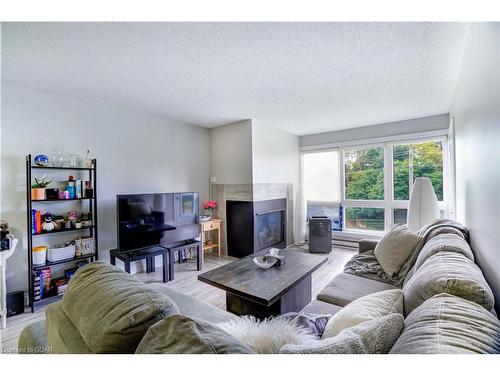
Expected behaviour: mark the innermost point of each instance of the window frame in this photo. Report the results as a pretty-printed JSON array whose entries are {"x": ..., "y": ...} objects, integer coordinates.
[{"x": 388, "y": 203}]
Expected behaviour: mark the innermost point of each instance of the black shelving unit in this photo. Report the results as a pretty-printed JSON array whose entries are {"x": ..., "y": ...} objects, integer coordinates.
[{"x": 92, "y": 208}]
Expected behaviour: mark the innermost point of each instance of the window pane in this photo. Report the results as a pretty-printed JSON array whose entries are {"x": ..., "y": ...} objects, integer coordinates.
[
  {"x": 401, "y": 171},
  {"x": 428, "y": 162},
  {"x": 364, "y": 218},
  {"x": 321, "y": 176},
  {"x": 400, "y": 215},
  {"x": 322, "y": 184},
  {"x": 417, "y": 160},
  {"x": 364, "y": 173},
  {"x": 330, "y": 209}
]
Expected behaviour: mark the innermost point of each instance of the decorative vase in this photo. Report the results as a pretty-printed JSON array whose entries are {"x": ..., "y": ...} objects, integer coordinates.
[
  {"x": 41, "y": 160},
  {"x": 38, "y": 193}
]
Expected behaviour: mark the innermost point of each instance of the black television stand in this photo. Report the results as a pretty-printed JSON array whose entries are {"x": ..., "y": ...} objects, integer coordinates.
[{"x": 166, "y": 251}]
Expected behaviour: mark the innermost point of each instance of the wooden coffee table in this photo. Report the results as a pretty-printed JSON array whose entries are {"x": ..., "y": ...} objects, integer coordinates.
[{"x": 263, "y": 293}]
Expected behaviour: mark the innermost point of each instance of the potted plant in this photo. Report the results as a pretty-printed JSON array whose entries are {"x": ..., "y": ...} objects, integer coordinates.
[
  {"x": 78, "y": 224},
  {"x": 209, "y": 207},
  {"x": 38, "y": 188}
]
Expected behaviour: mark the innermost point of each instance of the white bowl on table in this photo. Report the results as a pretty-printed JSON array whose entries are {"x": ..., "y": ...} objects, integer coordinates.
[{"x": 264, "y": 262}]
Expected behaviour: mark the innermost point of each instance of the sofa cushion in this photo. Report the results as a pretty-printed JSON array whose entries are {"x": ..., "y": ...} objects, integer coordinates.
[
  {"x": 395, "y": 247},
  {"x": 447, "y": 272},
  {"x": 375, "y": 336},
  {"x": 449, "y": 324},
  {"x": 444, "y": 242},
  {"x": 111, "y": 309},
  {"x": 320, "y": 307},
  {"x": 365, "y": 308},
  {"x": 62, "y": 336},
  {"x": 409, "y": 275},
  {"x": 179, "y": 334},
  {"x": 345, "y": 288},
  {"x": 192, "y": 306}
]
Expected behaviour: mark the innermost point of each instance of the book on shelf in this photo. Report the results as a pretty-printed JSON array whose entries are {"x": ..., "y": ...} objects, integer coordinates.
[
  {"x": 38, "y": 221},
  {"x": 33, "y": 221},
  {"x": 37, "y": 285},
  {"x": 78, "y": 188}
]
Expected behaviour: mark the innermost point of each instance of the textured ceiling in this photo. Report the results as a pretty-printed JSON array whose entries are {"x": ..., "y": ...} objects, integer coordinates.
[{"x": 303, "y": 78}]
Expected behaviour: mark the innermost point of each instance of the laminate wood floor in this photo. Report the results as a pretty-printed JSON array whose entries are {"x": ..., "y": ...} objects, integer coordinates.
[{"x": 186, "y": 282}]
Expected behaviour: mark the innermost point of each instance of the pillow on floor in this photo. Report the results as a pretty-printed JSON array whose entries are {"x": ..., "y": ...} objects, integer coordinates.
[
  {"x": 269, "y": 335},
  {"x": 395, "y": 247},
  {"x": 365, "y": 308},
  {"x": 180, "y": 334},
  {"x": 375, "y": 336}
]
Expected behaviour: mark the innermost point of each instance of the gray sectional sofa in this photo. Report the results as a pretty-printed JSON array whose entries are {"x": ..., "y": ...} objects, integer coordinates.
[
  {"x": 448, "y": 303},
  {"x": 449, "y": 306}
]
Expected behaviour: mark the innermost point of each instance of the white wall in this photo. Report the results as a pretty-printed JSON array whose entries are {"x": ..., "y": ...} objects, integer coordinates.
[
  {"x": 477, "y": 143},
  {"x": 423, "y": 124},
  {"x": 231, "y": 153},
  {"x": 136, "y": 152},
  {"x": 275, "y": 155}
]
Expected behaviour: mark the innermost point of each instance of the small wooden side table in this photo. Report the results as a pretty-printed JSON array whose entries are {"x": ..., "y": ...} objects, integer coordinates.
[{"x": 207, "y": 226}]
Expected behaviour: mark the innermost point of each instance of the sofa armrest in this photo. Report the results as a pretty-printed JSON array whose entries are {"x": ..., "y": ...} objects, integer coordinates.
[
  {"x": 366, "y": 245},
  {"x": 33, "y": 339}
]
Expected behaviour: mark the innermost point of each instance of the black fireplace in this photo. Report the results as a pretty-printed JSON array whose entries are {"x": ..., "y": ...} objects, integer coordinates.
[{"x": 254, "y": 226}]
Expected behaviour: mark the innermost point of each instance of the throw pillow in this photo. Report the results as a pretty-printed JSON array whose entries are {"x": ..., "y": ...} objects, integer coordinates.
[
  {"x": 395, "y": 247},
  {"x": 180, "y": 334},
  {"x": 365, "y": 308},
  {"x": 444, "y": 242},
  {"x": 375, "y": 336},
  {"x": 269, "y": 335},
  {"x": 448, "y": 324},
  {"x": 447, "y": 272}
]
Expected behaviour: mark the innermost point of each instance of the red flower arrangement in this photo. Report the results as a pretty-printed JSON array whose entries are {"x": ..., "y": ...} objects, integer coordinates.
[{"x": 210, "y": 205}]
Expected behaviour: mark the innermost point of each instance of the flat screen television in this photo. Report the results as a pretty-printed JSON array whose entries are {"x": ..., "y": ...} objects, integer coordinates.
[{"x": 147, "y": 220}]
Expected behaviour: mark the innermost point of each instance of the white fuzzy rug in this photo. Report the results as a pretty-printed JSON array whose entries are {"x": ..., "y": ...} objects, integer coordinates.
[{"x": 269, "y": 335}]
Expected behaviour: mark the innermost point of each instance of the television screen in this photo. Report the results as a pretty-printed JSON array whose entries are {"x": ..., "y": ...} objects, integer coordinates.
[{"x": 146, "y": 220}]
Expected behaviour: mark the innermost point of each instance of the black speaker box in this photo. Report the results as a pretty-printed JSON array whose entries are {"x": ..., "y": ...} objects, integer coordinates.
[
  {"x": 15, "y": 303},
  {"x": 320, "y": 234}
]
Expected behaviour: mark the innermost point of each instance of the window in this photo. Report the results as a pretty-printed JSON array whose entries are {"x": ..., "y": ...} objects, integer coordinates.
[
  {"x": 373, "y": 182},
  {"x": 321, "y": 184},
  {"x": 365, "y": 218},
  {"x": 417, "y": 160},
  {"x": 364, "y": 173}
]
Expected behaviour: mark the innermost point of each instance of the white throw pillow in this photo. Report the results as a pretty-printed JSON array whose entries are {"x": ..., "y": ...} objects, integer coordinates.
[
  {"x": 365, "y": 308},
  {"x": 395, "y": 247},
  {"x": 269, "y": 335}
]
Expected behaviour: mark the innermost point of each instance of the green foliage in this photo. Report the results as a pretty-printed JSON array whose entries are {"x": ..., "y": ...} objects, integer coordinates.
[
  {"x": 365, "y": 173},
  {"x": 40, "y": 184},
  {"x": 427, "y": 162},
  {"x": 365, "y": 218}
]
